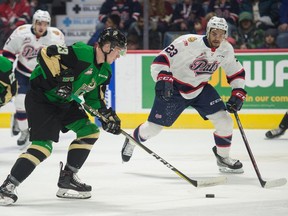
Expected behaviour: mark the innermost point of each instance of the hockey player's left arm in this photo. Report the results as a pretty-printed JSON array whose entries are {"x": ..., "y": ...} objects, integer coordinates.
[
  {"x": 235, "y": 74},
  {"x": 58, "y": 62}
]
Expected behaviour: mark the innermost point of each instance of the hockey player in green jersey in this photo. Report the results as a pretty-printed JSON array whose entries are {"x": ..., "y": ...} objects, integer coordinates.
[
  {"x": 80, "y": 70},
  {"x": 8, "y": 83}
]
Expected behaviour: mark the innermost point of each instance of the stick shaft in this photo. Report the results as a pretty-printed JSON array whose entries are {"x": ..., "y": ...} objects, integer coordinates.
[
  {"x": 262, "y": 182},
  {"x": 167, "y": 164}
]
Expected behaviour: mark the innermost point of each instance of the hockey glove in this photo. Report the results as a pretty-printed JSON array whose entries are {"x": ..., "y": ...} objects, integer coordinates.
[
  {"x": 110, "y": 121},
  {"x": 7, "y": 92},
  {"x": 236, "y": 99},
  {"x": 164, "y": 85},
  {"x": 64, "y": 80}
]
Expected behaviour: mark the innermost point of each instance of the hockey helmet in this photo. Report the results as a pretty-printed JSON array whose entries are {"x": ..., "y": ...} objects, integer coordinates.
[
  {"x": 42, "y": 16},
  {"x": 217, "y": 23},
  {"x": 114, "y": 37}
]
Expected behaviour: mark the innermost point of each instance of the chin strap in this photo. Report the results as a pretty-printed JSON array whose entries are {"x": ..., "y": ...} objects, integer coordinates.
[{"x": 106, "y": 53}]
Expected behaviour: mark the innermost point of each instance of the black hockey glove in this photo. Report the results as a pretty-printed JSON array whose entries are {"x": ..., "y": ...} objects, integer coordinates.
[
  {"x": 164, "y": 85},
  {"x": 4, "y": 96},
  {"x": 236, "y": 99},
  {"x": 64, "y": 87},
  {"x": 110, "y": 121}
]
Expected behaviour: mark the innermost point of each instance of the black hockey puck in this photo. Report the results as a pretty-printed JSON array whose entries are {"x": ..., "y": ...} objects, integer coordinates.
[{"x": 210, "y": 195}]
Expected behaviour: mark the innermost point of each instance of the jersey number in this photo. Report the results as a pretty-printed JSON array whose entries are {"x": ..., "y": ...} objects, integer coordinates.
[
  {"x": 171, "y": 50},
  {"x": 62, "y": 49}
]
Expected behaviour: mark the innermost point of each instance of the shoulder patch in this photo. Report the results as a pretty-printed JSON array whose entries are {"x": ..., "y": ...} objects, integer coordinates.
[
  {"x": 192, "y": 39},
  {"x": 56, "y": 32},
  {"x": 21, "y": 28}
]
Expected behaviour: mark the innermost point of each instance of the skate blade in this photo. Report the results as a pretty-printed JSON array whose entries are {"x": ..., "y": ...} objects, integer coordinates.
[
  {"x": 72, "y": 194},
  {"x": 231, "y": 171},
  {"x": 5, "y": 201}
]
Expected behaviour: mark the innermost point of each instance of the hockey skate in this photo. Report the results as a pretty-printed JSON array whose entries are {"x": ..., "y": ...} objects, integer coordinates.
[
  {"x": 71, "y": 187},
  {"x": 7, "y": 192},
  {"x": 23, "y": 140},
  {"x": 228, "y": 165},
  {"x": 275, "y": 132},
  {"x": 127, "y": 150},
  {"x": 15, "y": 130}
]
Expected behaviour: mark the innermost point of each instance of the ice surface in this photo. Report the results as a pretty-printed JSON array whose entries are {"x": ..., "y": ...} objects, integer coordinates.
[{"x": 144, "y": 186}]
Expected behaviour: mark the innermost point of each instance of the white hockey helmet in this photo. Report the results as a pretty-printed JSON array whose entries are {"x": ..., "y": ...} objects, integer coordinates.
[
  {"x": 217, "y": 23},
  {"x": 42, "y": 16}
]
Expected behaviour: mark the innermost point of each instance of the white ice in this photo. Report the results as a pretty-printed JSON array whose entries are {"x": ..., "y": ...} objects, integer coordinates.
[{"x": 144, "y": 186}]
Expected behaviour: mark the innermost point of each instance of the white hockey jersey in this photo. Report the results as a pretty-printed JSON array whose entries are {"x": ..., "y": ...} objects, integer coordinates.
[
  {"x": 192, "y": 63},
  {"x": 24, "y": 45}
]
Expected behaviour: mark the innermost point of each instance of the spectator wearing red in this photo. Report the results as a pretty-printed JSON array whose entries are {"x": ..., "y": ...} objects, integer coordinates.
[{"x": 13, "y": 13}]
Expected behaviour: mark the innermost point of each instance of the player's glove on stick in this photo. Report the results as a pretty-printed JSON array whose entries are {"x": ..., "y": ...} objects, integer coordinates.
[
  {"x": 64, "y": 87},
  {"x": 164, "y": 85},
  {"x": 236, "y": 99},
  {"x": 110, "y": 121}
]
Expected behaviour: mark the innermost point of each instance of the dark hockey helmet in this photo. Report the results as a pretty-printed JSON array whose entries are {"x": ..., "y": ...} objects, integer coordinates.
[{"x": 113, "y": 36}]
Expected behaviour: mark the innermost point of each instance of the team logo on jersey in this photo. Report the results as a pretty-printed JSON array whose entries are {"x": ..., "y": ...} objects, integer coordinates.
[
  {"x": 30, "y": 52},
  {"x": 192, "y": 39},
  {"x": 89, "y": 72},
  {"x": 202, "y": 66},
  {"x": 86, "y": 88}
]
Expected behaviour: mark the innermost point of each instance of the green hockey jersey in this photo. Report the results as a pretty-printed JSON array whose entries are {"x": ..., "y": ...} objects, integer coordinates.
[{"x": 90, "y": 78}]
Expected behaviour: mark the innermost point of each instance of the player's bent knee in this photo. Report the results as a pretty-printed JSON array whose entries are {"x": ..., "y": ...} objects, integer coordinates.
[
  {"x": 38, "y": 151},
  {"x": 84, "y": 128},
  {"x": 222, "y": 122}
]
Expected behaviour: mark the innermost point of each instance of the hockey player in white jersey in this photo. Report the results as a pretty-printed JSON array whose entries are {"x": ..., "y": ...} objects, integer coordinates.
[
  {"x": 23, "y": 46},
  {"x": 181, "y": 72}
]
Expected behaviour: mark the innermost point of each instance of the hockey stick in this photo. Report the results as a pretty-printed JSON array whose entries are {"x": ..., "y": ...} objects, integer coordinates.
[
  {"x": 264, "y": 184},
  {"x": 197, "y": 183}
]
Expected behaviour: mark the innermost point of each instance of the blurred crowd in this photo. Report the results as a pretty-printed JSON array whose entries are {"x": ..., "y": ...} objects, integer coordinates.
[{"x": 253, "y": 24}]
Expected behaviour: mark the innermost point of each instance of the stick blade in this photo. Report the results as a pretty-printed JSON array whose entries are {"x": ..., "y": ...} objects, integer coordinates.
[
  {"x": 211, "y": 181},
  {"x": 275, "y": 183}
]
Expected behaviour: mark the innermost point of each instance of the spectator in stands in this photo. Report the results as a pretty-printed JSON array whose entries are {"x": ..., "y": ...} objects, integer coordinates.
[
  {"x": 199, "y": 26},
  {"x": 228, "y": 9},
  {"x": 270, "y": 39},
  {"x": 128, "y": 10},
  {"x": 160, "y": 13},
  {"x": 40, "y": 5},
  {"x": 265, "y": 12},
  {"x": 184, "y": 15},
  {"x": 112, "y": 20},
  {"x": 133, "y": 42},
  {"x": 13, "y": 13},
  {"x": 172, "y": 3},
  {"x": 283, "y": 25},
  {"x": 247, "y": 36},
  {"x": 137, "y": 29}
]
